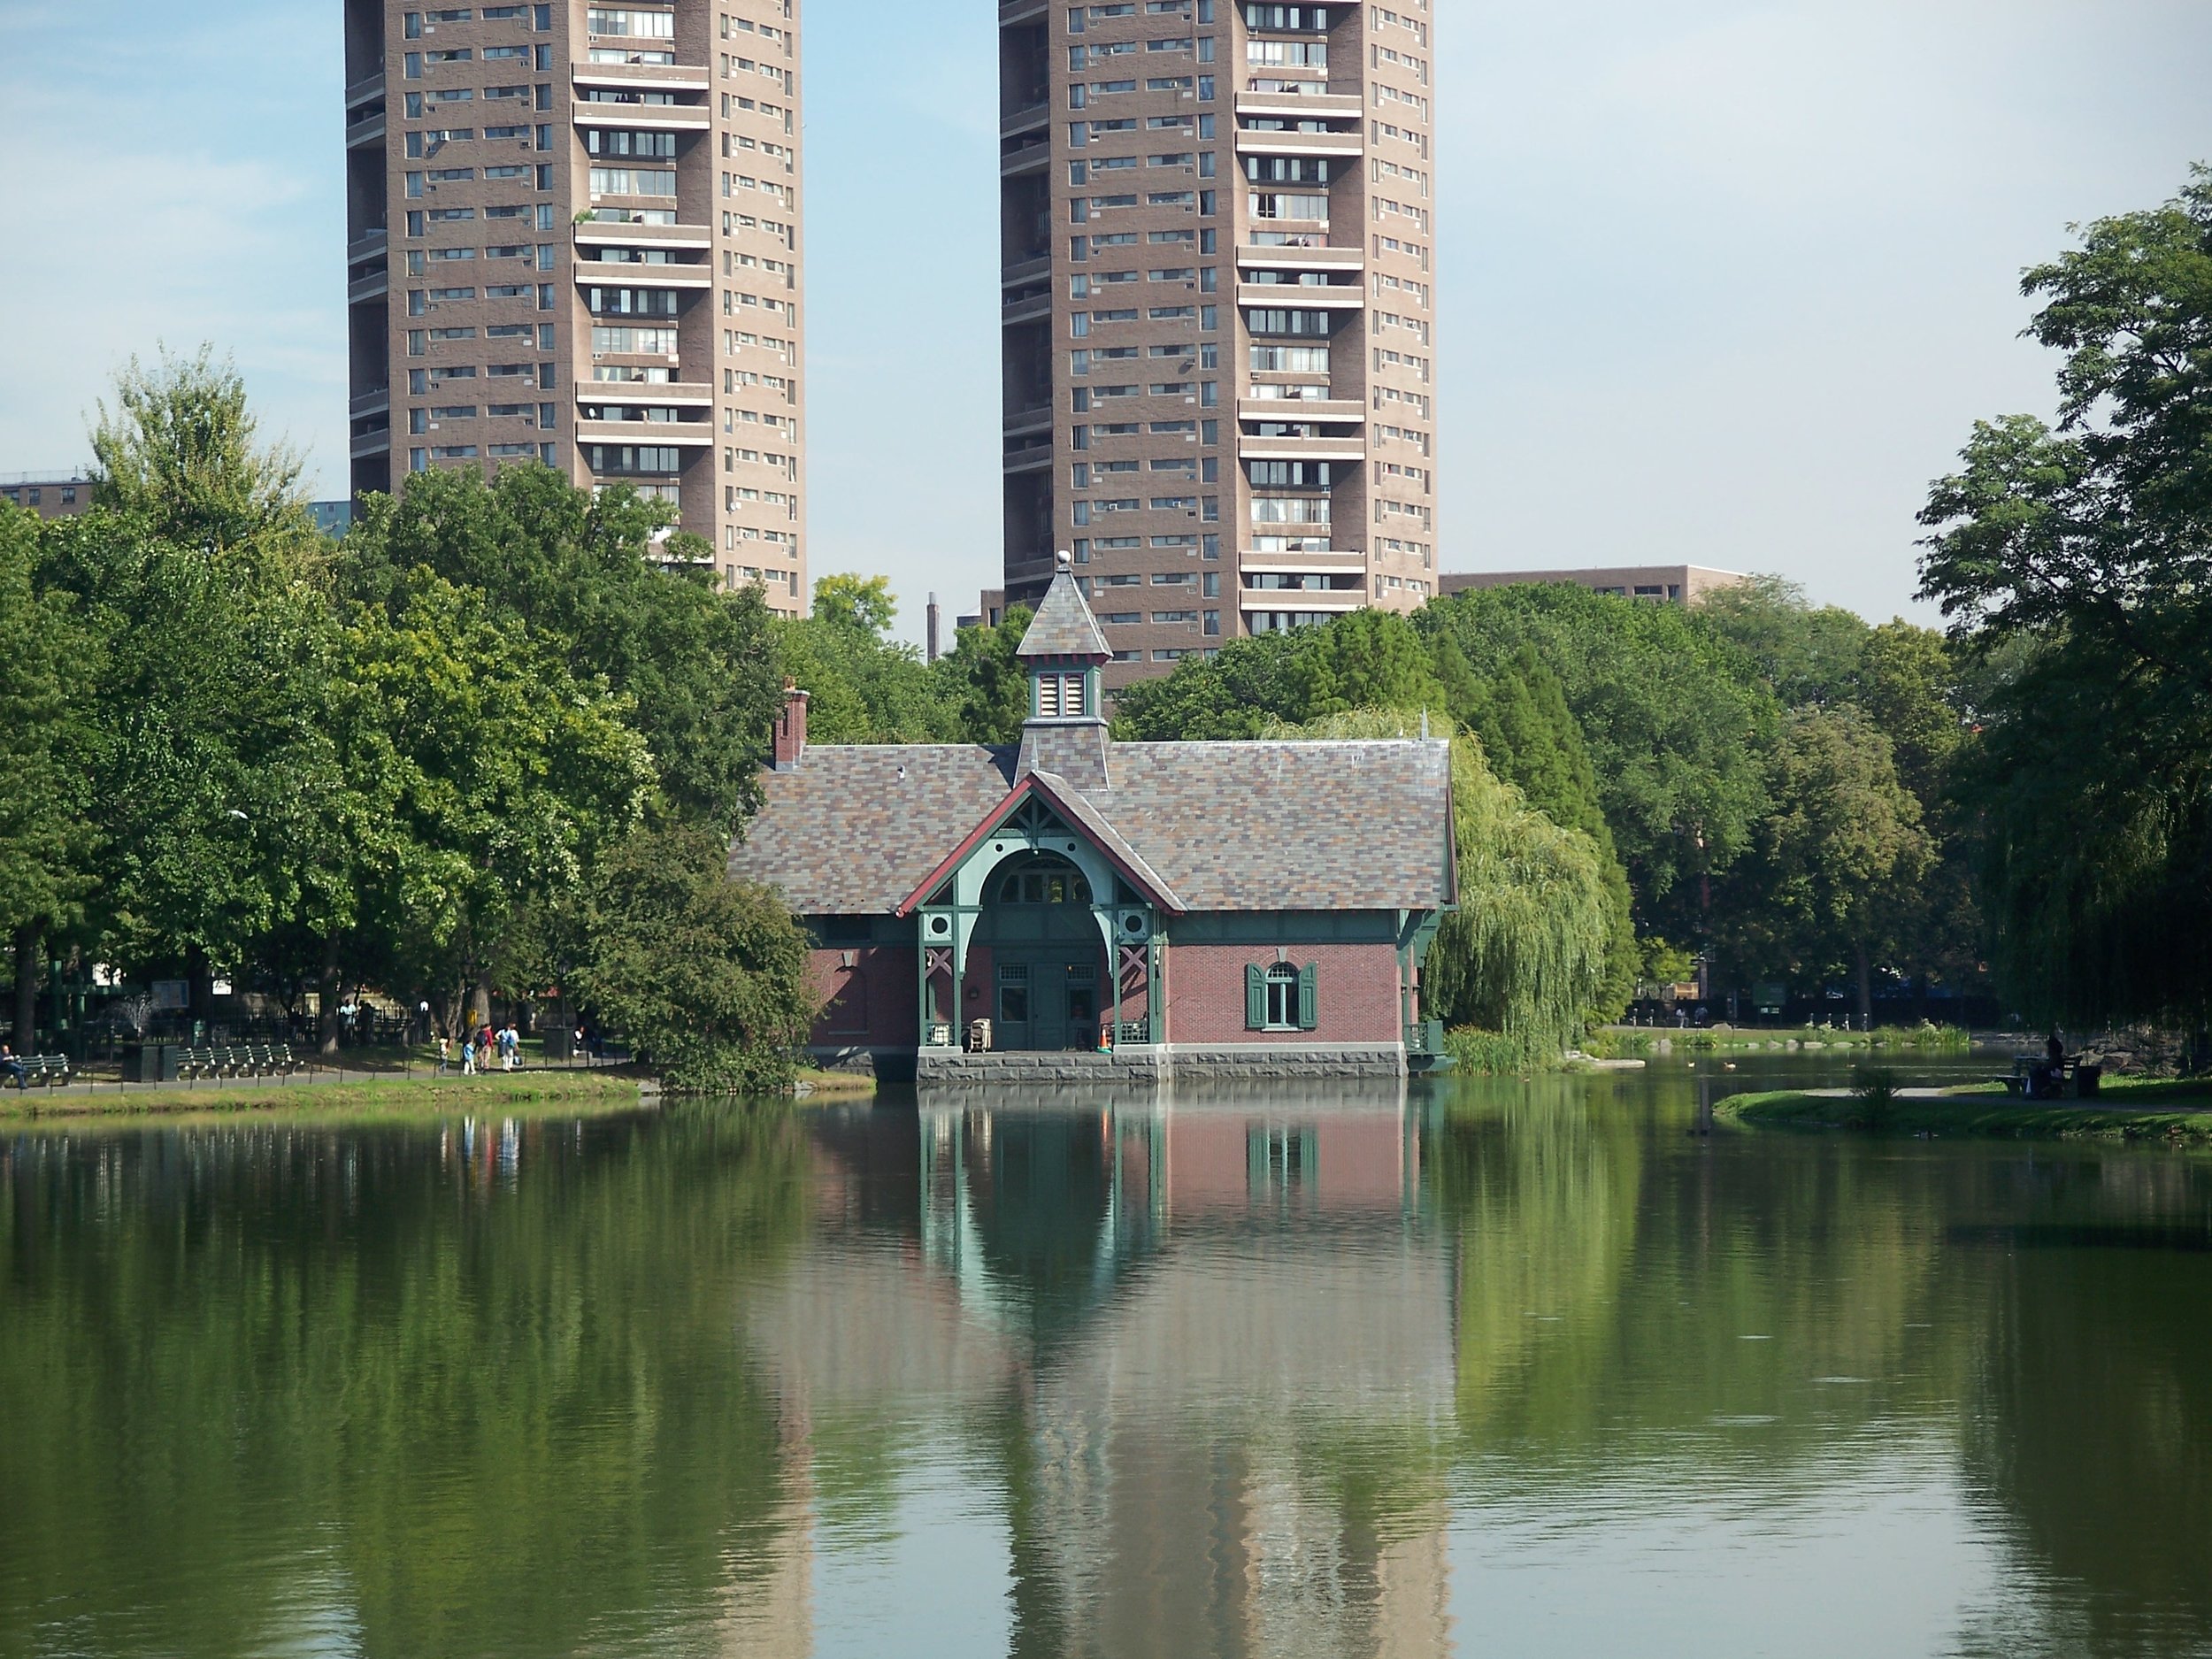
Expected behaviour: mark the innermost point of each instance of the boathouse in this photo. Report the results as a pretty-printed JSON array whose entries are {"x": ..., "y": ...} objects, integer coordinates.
[{"x": 1074, "y": 906}]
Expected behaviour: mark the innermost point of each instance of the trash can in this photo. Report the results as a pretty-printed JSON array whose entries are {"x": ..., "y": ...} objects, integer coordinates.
[{"x": 151, "y": 1063}]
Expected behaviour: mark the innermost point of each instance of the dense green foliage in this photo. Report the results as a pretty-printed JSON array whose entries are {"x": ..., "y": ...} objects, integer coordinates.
[
  {"x": 1758, "y": 781},
  {"x": 1524, "y": 953},
  {"x": 863, "y": 687},
  {"x": 2076, "y": 561},
  {"x": 706, "y": 974},
  {"x": 398, "y": 763}
]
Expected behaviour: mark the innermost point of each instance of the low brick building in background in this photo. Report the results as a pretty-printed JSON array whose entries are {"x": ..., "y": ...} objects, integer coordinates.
[
  {"x": 1074, "y": 904},
  {"x": 1670, "y": 584},
  {"x": 56, "y": 494}
]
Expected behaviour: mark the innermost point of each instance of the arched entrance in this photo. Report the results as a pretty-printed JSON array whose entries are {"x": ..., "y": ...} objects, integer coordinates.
[{"x": 1048, "y": 976}]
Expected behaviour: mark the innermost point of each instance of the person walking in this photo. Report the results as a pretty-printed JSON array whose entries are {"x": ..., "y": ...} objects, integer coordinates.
[
  {"x": 468, "y": 1058},
  {"x": 510, "y": 1048},
  {"x": 445, "y": 1052}
]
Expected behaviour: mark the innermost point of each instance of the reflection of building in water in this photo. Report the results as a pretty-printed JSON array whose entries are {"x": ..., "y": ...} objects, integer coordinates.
[
  {"x": 1221, "y": 1338},
  {"x": 768, "y": 1610}
]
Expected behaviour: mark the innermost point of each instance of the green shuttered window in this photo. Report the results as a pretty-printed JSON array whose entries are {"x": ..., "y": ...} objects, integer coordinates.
[{"x": 1279, "y": 997}]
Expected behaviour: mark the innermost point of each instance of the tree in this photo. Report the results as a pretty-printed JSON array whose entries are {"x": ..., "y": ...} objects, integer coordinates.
[
  {"x": 693, "y": 664},
  {"x": 1235, "y": 695},
  {"x": 861, "y": 604},
  {"x": 1367, "y": 659},
  {"x": 705, "y": 974},
  {"x": 498, "y": 781},
  {"x": 1675, "y": 723},
  {"x": 2091, "y": 545},
  {"x": 181, "y": 450},
  {"x": 1523, "y": 954},
  {"x": 1836, "y": 864},
  {"x": 1531, "y": 741},
  {"x": 984, "y": 684},
  {"x": 1805, "y": 656},
  {"x": 862, "y": 686},
  {"x": 206, "y": 703},
  {"x": 46, "y": 838}
]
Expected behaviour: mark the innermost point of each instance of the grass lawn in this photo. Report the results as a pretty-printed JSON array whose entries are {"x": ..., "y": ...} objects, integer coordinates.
[
  {"x": 815, "y": 1084},
  {"x": 1618, "y": 1042},
  {"x": 508, "y": 1093},
  {"x": 2129, "y": 1109}
]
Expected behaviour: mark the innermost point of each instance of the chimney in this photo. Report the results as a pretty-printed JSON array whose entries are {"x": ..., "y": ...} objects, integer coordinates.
[
  {"x": 790, "y": 734},
  {"x": 932, "y": 627}
]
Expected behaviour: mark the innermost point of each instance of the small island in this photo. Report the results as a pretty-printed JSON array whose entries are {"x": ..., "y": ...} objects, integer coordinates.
[{"x": 2128, "y": 1108}]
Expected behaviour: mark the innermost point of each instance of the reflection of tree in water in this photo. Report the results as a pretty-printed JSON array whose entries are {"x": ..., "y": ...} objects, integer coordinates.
[
  {"x": 2094, "y": 1425},
  {"x": 492, "y": 1374},
  {"x": 1610, "y": 1269}
]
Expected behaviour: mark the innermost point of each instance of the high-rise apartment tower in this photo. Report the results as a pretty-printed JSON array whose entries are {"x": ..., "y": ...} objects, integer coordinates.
[
  {"x": 1217, "y": 251},
  {"x": 574, "y": 236}
]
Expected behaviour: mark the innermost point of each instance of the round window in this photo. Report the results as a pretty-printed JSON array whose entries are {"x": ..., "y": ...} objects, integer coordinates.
[{"x": 940, "y": 926}]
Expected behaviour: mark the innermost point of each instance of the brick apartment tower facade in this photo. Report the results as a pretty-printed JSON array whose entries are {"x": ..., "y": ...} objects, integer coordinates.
[
  {"x": 1217, "y": 286},
  {"x": 574, "y": 236}
]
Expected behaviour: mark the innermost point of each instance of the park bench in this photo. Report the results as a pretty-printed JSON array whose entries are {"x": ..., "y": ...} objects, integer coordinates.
[
  {"x": 275, "y": 1060},
  {"x": 44, "y": 1071},
  {"x": 224, "y": 1061},
  {"x": 2072, "y": 1079}
]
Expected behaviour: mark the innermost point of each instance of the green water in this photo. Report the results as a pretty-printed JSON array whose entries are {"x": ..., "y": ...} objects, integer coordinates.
[{"x": 1501, "y": 1368}]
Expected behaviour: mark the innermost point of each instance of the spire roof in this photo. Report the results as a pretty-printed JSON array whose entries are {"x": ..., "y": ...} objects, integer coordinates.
[{"x": 1064, "y": 624}]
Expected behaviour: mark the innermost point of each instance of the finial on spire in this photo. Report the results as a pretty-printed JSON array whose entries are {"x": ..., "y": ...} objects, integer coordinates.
[{"x": 1063, "y": 557}]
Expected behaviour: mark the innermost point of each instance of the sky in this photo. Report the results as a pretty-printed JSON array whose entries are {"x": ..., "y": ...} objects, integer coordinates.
[{"x": 1718, "y": 282}]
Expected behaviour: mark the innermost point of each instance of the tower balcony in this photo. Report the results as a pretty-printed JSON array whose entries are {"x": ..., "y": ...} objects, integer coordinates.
[
  {"x": 1338, "y": 297},
  {"x": 1264, "y": 143},
  {"x": 607, "y": 227},
  {"x": 1301, "y": 106},
  {"x": 623, "y": 273},
  {"x": 694, "y": 434},
  {"x": 679, "y": 393},
  {"x": 1331, "y": 410},
  {"x": 660, "y": 118},
  {"x": 364, "y": 127},
  {"x": 1029, "y": 118},
  {"x": 1293, "y": 256},
  {"x": 1251, "y": 448},
  {"x": 648, "y": 77}
]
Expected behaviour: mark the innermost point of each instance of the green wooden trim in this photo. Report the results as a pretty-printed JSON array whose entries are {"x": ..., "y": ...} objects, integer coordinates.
[
  {"x": 1309, "y": 996},
  {"x": 1254, "y": 997}
]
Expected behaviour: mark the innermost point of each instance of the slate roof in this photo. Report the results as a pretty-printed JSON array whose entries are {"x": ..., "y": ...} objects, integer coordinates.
[
  {"x": 1063, "y": 626},
  {"x": 1356, "y": 824}
]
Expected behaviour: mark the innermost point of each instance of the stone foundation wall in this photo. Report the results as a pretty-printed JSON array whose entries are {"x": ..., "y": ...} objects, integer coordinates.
[{"x": 1151, "y": 1067}]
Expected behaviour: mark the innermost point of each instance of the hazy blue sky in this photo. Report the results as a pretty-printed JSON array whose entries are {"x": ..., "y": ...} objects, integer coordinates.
[{"x": 1718, "y": 280}]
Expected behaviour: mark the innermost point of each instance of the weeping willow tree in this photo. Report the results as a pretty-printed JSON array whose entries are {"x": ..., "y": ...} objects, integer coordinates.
[{"x": 1523, "y": 955}]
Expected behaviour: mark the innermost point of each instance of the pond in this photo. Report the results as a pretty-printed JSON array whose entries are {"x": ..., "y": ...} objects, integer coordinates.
[{"x": 1492, "y": 1367}]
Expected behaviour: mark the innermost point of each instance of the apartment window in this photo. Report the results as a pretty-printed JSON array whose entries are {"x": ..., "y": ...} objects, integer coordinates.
[
  {"x": 633, "y": 181},
  {"x": 649, "y": 146},
  {"x": 634, "y": 25}
]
